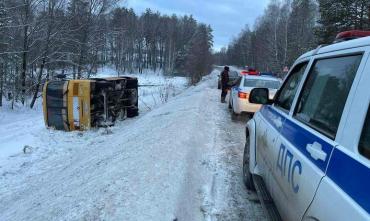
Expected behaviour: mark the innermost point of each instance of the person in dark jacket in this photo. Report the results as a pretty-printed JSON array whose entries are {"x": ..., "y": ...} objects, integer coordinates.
[{"x": 224, "y": 83}]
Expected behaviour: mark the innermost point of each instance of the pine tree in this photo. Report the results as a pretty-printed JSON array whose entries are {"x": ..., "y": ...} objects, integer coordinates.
[
  {"x": 198, "y": 58},
  {"x": 341, "y": 15},
  {"x": 301, "y": 23}
]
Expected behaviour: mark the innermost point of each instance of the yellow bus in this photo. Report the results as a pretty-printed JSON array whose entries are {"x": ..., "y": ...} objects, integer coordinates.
[{"x": 81, "y": 104}]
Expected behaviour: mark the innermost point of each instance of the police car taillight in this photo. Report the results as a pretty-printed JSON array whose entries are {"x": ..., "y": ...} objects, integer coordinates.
[
  {"x": 349, "y": 35},
  {"x": 243, "y": 95}
]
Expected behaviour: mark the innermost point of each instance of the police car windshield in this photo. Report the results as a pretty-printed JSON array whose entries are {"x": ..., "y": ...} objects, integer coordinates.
[{"x": 261, "y": 83}]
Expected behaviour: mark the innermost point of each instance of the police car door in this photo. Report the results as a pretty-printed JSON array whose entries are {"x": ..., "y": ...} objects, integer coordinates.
[
  {"x": 308, "y": 135},
  {"x": 270, "y": 122},
  {"x": 269, "y": 141},
  {"x": 347, "y": 177}
]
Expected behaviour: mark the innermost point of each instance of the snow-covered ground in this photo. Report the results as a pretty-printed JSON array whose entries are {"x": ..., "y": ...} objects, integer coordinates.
[
  {"x": 179, "y": 161},
  {"x": 20, "y": 127}
]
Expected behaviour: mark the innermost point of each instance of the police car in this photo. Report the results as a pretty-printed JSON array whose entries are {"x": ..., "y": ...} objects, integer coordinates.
[
  {"x": 239, "y": 93},
  {"x": 307, "y": 151}
]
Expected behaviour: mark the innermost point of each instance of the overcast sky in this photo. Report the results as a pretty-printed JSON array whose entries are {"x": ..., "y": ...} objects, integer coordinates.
[{"x": 227, "y": 17}]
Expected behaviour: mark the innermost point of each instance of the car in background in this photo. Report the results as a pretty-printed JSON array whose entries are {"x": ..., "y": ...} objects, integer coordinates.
[
  {"x": 250, "y": 71},
  {"x": 244, "y": 72},
  {"x": 233, "y": 77},
  {"x": 238, "y": 101}
]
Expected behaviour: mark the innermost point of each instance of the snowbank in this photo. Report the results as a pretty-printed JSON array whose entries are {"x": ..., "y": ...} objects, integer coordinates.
[
  {"x": 172, "y": 162},
  {"x": 133, "y": 171},
  {"x": 20, "y": 127}
]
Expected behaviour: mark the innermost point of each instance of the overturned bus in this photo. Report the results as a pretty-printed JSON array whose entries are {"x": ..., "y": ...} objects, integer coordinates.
[{"x": 81, "y": 104}]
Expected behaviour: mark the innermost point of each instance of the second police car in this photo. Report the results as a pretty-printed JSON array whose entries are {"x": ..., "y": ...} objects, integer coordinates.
[
  {"x": 239, "y": 93},
  {"x": 310, "y": 145}
]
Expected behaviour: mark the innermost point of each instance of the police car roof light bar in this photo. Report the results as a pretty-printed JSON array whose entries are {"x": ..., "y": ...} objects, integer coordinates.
[{"x": 352, "y": 34}]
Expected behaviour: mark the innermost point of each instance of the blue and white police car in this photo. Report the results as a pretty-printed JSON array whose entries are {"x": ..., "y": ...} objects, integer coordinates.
[
  {"x": 239, "y": 93},
  {"x": 307, "y": 151}
]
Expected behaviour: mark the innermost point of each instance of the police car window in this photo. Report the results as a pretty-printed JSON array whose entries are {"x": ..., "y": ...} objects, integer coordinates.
[
  {"x": 289, "y": 88},
  {"x": 261, "y": 83},
  {"x": 325, "y": 93},
  {"x": 364, "y": 145}
]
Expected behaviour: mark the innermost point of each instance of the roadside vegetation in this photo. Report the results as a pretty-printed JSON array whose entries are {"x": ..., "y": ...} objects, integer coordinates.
[{"x": 40, "y": 39}]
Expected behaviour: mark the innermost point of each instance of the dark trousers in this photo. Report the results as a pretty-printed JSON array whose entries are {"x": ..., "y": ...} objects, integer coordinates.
[{"x": 223, "y": 92}]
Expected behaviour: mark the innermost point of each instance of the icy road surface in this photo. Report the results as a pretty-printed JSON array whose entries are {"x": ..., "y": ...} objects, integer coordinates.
[{"x": 181, "y": 161}]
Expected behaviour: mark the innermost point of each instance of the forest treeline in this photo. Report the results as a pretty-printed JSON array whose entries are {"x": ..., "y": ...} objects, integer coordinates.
[
  {"x": 42, "y": 38},
  {"x": 289, "y": 28}
]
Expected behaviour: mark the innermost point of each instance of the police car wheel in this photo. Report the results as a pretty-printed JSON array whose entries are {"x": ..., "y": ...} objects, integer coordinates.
[
  {"x": 234, "y": 115},
  {"x": 247, "y": 176},
  {"x": 233, "y": 111}
]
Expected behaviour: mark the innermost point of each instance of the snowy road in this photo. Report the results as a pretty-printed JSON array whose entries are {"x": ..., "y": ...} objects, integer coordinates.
[{"x": 179, "y": 161}]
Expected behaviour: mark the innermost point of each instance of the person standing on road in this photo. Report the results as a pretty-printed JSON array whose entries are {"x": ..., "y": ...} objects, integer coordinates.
[{"x": 224, "y": 83}]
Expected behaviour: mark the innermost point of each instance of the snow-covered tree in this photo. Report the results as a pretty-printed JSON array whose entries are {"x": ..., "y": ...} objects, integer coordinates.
[{"x": 39, "y": 38}]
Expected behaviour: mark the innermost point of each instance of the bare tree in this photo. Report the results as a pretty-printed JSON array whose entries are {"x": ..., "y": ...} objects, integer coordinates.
[
  {"x": 40, "y": 38},
  {"x": 283, "y": 32},
  {"x": 51, "y": 32}
]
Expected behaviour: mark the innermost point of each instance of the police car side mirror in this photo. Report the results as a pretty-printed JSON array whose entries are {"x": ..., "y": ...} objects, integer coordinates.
[{"x": 259, "y": 96}]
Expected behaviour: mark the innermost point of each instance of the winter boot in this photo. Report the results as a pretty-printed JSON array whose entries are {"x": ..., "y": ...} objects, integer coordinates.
[{"x": 223, "y": 99}]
